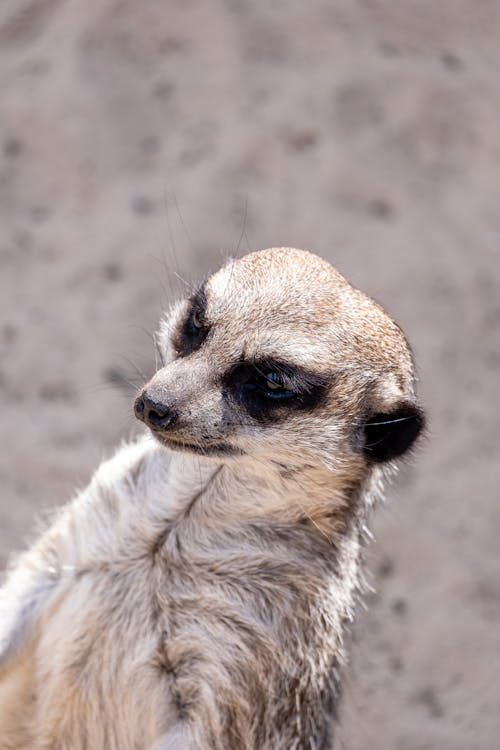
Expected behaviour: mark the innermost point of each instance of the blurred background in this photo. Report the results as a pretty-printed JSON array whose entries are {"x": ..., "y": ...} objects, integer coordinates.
[{"x": 141, "y": 140}]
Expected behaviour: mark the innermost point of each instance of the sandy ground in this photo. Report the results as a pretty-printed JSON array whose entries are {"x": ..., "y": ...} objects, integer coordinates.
[{"x": 135, "y": 141}]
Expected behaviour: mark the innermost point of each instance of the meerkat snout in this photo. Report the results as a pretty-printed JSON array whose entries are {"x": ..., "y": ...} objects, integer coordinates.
[{"x": 153, "y": 413}]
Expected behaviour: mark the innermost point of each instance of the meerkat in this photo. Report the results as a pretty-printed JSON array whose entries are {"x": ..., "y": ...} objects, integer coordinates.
[{"x": 195, "y": 595}]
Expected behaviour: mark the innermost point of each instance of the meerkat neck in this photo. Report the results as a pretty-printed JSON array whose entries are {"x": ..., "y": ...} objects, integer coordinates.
[{"x": 221, "y": 493}]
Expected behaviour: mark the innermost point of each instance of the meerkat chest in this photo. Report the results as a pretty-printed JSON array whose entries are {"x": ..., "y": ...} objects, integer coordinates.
[
  {"x": 164, "y": 620},
  {"x": 224, "y": 635},
  {"x": 249, "y": 642},
  {"x": 100, "y": 684}
]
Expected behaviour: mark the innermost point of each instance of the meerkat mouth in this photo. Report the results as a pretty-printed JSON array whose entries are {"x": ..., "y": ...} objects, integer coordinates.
[{"x": 207, "y": 449}]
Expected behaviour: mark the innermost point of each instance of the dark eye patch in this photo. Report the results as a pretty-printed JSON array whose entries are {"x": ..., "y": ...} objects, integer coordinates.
[
  {"x": 193, "y": 329},
  {"x": 270, "y": 389}
]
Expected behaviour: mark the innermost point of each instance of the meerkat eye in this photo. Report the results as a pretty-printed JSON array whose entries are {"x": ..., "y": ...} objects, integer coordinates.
[
  {"x": 195, "y": 324},
  {"x": 269, "y": 390},
  {"x": 193, "y": 329},
  {"x": 196, "y": 319},
  {"x": 271, "y": 384},
  {"x": 274, "y": 382}
]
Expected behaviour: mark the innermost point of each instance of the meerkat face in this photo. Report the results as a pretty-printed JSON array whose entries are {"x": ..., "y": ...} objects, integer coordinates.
[{"x": 277, "y": 356}]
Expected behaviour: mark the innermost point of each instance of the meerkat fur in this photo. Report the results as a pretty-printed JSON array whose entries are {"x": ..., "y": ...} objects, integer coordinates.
[{"x": 196, "y": 594}]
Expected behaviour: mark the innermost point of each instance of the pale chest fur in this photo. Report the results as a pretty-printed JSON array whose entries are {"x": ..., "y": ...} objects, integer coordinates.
[{"x": 164, "y": 609}]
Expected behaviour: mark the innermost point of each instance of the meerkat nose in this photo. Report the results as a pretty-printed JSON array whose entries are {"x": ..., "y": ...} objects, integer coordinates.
[{"x": 152, "y": 413}]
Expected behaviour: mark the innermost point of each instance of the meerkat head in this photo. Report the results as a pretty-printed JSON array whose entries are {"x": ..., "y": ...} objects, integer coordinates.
[{"x": 277, "y": 356}]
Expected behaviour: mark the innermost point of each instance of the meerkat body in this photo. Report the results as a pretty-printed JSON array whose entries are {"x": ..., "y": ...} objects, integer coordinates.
[{"x": 195, "y": 594}]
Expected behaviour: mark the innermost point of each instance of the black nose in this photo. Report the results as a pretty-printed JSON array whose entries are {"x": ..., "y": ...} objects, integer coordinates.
[{"x": 153, "y": 413}]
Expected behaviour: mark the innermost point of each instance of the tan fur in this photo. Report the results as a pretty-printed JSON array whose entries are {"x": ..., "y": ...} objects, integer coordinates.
[{"x": 199, "y": 601}]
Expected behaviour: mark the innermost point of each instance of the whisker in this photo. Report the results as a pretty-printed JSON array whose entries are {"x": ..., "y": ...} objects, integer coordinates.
[
  {"x": 183, "y": 223},
  {"x": 118, "y": 386},
  {"x": 390, "y": 421},
  {"x": 143, "y": 377},
  {"x": 242, "y": 233},
  {"x": 170, "y": 233},
  {"x": 186, "y": 283}
]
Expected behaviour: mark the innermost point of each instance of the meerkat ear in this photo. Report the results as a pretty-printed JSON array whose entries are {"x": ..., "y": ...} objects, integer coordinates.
[{"x": 390, "y": 434}]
